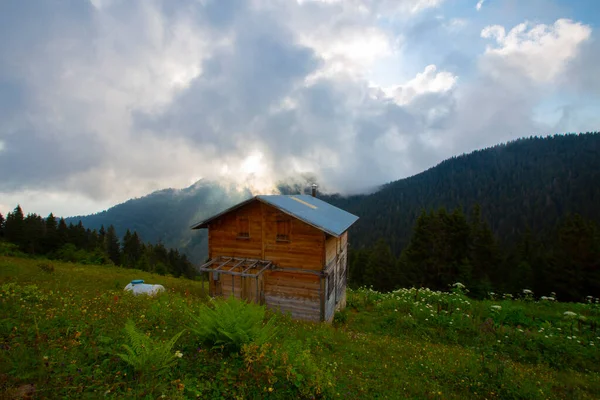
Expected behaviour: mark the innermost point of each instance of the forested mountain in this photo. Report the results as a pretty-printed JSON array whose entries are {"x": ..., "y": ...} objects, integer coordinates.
[
  {"x": 165, "y": 216},
  {"x": 525, "y": 183},
  {"x": 520, "y": 214}
]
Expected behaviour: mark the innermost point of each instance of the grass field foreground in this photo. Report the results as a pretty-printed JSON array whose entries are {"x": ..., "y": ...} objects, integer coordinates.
[{"x": 63, "y": 326}]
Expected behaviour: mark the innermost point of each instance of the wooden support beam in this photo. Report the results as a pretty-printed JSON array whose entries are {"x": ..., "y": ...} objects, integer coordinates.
[
  {"x": 236, "y": 265},
  {"x": 264, "y": 268},
  {"x": 250, "y": 266},
  {"x": 222, "y": 264}
]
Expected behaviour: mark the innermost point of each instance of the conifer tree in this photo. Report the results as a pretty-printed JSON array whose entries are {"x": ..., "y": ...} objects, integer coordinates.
[
  {"x": 1, "y": 225},
  {"x": 62, "y": 233},
  {"x": 51, "y": 237},
  {"x": 380, "y": 271},
  {"x": 34, "y": 229},
  {"x": 111, "y": 244},
  {"x": 14, "y": 227}
]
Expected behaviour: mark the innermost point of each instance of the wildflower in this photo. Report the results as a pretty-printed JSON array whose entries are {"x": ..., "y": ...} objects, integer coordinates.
[
  {"x": 458, "y": 285},
  {"x": 527, "y": 291},
  {"x": 178, "y": 354},
  {"x": 270, "y": 389},
  {"x": 496, "y": 307},
  {"x": 570, "y": 314}
]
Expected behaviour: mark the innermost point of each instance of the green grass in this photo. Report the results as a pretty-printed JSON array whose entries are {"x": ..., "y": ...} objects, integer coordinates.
[{"x": 62, "y": 331}]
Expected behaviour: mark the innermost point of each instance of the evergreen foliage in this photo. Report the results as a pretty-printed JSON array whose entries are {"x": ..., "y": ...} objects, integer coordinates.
[
  {"x": 35, "y": 235},
  {"x": 527, "y": 183},
  {"x": 447, "y": 248}
]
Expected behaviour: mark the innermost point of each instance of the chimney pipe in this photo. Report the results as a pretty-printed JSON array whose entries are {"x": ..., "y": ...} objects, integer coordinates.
[{"x": 314, "y": 190}]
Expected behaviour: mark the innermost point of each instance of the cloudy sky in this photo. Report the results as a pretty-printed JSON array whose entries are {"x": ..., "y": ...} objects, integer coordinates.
[{"x": 104, "y": 100}]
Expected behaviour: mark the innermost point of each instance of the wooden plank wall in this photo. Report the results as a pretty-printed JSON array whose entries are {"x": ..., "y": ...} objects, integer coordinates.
[
  {"x": 305, "y": 248},
  {"x": 223, "y": 234},
  {"x": 296, "y": 292}
]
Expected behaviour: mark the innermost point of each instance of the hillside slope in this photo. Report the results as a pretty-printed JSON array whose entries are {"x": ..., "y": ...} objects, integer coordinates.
[
  {"x": 529, "y": 182},
  {"x": 166, "y": 215}
]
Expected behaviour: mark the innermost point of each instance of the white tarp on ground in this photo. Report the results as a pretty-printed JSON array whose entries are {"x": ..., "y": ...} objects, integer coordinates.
[{"x": 139, "y": 287}]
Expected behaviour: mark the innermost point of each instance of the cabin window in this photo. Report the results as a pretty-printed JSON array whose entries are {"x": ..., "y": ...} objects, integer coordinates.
[
  {"x": 284, "y": 226},
  {"x": 243, "y": 227}
]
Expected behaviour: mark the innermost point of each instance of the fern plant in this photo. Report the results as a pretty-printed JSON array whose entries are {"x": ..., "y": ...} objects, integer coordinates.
[
  {"x": 231, "y": 323},
  {"x": 146, "y": 355}
]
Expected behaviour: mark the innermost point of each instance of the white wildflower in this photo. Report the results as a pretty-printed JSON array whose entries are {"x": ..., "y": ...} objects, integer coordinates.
[
  {"x": 496, "y": 307},
  {"x": 178, "y": 354}
]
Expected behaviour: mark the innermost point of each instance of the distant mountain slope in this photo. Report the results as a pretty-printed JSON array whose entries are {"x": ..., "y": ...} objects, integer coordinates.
[
  {"x": 166, "y": 215},
  {"x": 528, "y": 182}
]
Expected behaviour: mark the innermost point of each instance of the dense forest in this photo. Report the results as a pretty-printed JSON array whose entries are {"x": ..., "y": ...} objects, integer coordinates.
[
  {"x": 449, "y": 247},
  {"x": 528, "y": 183},
  {"x": 534, "y": 206},
  {"x": 53, "y": 238}
]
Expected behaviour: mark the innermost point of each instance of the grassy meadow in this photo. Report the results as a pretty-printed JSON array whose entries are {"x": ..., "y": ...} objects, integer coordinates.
[{"x": 63, "y": 331}]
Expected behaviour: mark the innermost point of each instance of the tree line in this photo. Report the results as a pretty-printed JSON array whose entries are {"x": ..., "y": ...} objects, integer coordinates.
[
  {"x": 53, "y": 238},
  {"x": 449, "y": 247},
  {"x": 527, "y": 183}
]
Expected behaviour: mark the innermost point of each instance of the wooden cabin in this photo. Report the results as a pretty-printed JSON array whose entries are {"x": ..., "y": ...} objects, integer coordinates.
[{"x": 287, "y": 252}]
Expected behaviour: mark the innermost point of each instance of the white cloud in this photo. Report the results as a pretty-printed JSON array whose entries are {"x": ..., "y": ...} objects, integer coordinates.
[
  {"x": 541, "y": 51},
  {"x": 428, "y": 81},
  {"x": 479, "y": 5},
  {"x": 113, "y": 100}
]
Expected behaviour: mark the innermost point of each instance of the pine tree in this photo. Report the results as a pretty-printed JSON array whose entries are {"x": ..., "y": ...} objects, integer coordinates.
[
  {"x": 111, "y": 245},
  {"x": 62, "y": 233},
  {"x": 484, "y": 255},
  {"x": 14, "y": 227},
  {"x": 357, "y": 263},
  {"x": 1, "y": 225},
  {"x": 34, "y": 228},
  {"x": 51, "y": 238},
  {"x": 380, "y": 271},
  {"x": 132, "y": 249}
]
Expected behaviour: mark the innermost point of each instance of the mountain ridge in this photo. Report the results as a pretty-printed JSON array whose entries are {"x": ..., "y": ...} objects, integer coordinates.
[{"x": 544, "y": 177}]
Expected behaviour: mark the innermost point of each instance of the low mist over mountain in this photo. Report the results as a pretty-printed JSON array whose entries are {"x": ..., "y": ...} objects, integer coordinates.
[
  {"x": 528, "y": 182},
  {"x": 166, "y": 215}
]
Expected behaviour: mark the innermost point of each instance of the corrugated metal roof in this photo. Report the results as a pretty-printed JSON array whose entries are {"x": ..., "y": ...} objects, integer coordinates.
[{"x": 311, "y": 210}]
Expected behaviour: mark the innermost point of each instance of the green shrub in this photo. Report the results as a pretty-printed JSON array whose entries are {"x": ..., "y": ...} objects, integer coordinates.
[
  {"x": 229, "y": 324},
  {"x": 46, "y": 267},
  {"x": 146, "y": 355},
  {"x": 10, "y": 250},
  {"x": 340, "y": 317}
]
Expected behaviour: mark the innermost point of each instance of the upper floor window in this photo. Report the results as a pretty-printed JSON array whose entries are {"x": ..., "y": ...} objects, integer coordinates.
[
  {"x": 284, "y": 226},
  {"x": 243, "y": 227}
]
